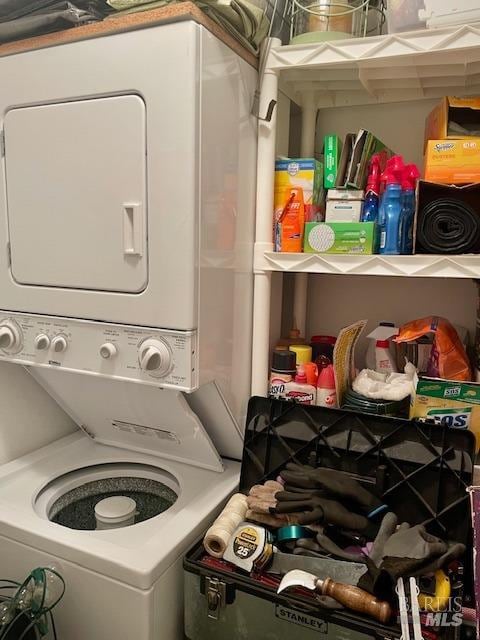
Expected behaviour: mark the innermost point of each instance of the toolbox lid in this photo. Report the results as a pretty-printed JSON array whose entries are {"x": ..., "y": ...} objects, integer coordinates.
[{"x": 420, "y": 470}]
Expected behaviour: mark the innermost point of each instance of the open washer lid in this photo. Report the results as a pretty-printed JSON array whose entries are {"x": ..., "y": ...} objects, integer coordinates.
[{"x": 133, "y": 416}]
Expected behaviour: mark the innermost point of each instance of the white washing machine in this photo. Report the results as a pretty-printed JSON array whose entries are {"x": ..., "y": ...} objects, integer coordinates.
[
  {"x": 121, "y": 583},
  {"x": 127, "y": 182}
]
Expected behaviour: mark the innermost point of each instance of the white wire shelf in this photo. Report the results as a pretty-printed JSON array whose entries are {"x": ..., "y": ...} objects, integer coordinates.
[
  {"x": 420, "y": 266},
  {"x": 390, "y": 68}
]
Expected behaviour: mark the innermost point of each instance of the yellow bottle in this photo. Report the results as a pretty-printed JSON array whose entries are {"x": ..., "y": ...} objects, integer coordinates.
[{"x": 303, "y": 351}]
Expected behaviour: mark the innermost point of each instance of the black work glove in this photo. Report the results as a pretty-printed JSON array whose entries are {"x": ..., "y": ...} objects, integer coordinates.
[
  {"x": 317, "y": 508},
  {"x": 336, "y": 483},
  {"x": 322, "y": 546}
]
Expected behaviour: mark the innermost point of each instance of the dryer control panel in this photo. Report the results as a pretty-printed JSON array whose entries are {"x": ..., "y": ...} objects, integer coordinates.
[{"x": 158, "y": 357}]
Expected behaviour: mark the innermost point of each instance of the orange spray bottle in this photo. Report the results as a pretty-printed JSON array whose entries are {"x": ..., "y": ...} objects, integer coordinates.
[{"x": 292, "y": 221}]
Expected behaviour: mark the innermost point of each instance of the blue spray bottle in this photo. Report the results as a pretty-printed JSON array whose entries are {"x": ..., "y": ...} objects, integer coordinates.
[
  {"x": 372, "y": 192},
  {"x": 409, "y": 183},
  {"x": 391, "y": 208}
]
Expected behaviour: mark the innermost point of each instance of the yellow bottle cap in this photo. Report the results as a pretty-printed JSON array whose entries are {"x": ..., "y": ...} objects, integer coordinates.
[{"x": 303, "y": 351}]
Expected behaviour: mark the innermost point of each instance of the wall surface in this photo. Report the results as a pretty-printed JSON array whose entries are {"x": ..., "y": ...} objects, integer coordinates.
[
  {"x": 399, "y": 125},
  {"x": 29, "y": 417},
  {"x": 336, "y": 301}
]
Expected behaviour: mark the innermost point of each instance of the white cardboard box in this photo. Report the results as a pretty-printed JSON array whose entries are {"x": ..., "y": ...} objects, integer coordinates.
[{"x": 344, "y": 205}]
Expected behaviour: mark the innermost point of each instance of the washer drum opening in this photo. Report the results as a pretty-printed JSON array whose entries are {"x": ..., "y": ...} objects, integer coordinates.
[{"x": 70, "y": 499}]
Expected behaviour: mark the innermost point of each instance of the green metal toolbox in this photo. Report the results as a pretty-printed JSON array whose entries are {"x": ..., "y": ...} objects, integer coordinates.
[{"x": 420, "y": 470}]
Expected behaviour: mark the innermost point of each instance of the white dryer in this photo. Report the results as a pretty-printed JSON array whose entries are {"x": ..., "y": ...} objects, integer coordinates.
[{"x": 126, "y": 212}]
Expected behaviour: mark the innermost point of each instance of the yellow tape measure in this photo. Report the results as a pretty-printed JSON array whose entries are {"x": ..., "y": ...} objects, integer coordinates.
[{"x": 249, "y": 547}]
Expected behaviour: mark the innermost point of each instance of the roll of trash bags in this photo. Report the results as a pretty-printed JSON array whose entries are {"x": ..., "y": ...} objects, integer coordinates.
[{"x": 448, "y": 226}]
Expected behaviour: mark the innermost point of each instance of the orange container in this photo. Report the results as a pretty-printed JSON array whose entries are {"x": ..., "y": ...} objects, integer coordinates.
[
  {"x": 311, "y": 371},
  {"x": 453, "y": 161},
  {"x": 292, "y": 221}
]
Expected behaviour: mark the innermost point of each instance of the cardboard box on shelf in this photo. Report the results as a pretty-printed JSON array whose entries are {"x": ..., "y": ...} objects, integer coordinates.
[
  {"x": 344, "y": 205},
  {"x": 340, "y": 237},
  {"x": 306, "y": 175},
  {"x": 456, "y": 404},
  {"x": 356, "y": 153},
  {"x": 455, "y": 118},
  {"x": 453, "y": 161},
  {"x": 303, "y": 173},
  {"x": 331, "y": 158}
]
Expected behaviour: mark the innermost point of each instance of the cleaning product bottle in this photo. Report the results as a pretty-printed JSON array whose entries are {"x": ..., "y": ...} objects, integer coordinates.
[
  {"x": 294, "y": 337},
  {"x": 303, "y": 353},
  {"x": 372, "y": 192},
  {"x": 322, "y": 350},
  {"x": 282, "y": 372},
  {"x": 391, "y": 208},
  {"x": 409, "y": 183},
  {"x": 311, "y": 371},
  {"x": 326, "y": 389},
  {"x": 299, "y": 390},
  {"x": 384, "y": 360},
  {"x": 292, "y": 221},
  {"x": 370, "y": 359}
]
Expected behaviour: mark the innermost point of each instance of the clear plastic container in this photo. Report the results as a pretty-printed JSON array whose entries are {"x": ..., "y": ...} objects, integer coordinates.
[
  {"x": 324, "y": 20},
  {"x": 403, "y": 15},
  {"x": 444, "y": 13}
]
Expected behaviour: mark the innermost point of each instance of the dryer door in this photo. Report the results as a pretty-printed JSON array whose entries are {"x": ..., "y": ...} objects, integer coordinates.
[{"x": 89, "y": 232}]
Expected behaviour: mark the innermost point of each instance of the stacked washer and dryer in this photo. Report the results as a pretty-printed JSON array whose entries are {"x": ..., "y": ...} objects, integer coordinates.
[{"x": 126, "y": 221}]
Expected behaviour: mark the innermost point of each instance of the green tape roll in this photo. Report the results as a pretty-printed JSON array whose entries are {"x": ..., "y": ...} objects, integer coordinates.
[{"x": 293, "y": 532}]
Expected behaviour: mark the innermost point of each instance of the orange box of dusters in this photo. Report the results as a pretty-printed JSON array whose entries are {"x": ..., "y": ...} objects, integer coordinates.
[{"x": 453, "y": 161}]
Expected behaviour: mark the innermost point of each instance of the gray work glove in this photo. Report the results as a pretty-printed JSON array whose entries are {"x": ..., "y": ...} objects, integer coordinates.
[{"x": 406, "y": 551}]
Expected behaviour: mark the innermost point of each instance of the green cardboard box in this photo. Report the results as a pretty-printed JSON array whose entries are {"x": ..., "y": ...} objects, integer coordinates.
[
  {"x": 331, "y": 156},
  {"x": 339, "y": 237},
  {"x": 456, "y": 404}
]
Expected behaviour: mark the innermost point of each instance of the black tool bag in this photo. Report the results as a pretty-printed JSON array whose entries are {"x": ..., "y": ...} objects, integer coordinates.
[{"x": 420, "y": 471}]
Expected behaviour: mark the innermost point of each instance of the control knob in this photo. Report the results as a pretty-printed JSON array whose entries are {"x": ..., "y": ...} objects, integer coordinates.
[
  {"x": 59, "y": 344},
  {"x": 155, "y": 358},
  {"x": 108, "y": 350},
  {"x": 42, "y": 342},
  {"x": 10, "y": 336}
]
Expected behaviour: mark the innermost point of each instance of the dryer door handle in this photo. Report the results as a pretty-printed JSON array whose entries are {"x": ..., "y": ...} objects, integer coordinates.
[{"x": 133, "y": 229}]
